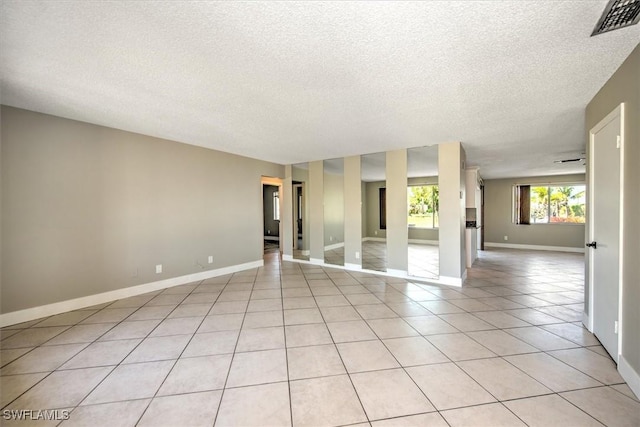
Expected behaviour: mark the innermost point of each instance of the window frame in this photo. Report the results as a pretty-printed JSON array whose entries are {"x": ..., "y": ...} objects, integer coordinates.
[{"x": 516, "y": 203}]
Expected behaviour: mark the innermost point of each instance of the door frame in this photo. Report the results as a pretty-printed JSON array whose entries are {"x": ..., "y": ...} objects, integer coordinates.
[{"x": 617, "y": 112}]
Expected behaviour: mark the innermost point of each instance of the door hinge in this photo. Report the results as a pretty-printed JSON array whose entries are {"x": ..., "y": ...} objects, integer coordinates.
[
  {"x": 618, "y": 141},
  {"x": 615, "y": 327}
]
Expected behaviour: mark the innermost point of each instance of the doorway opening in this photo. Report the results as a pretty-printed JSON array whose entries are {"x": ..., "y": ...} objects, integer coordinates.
[{"x": 271, "y": 209}]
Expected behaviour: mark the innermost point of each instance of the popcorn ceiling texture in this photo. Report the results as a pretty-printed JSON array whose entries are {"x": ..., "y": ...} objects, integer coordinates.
[{"x": 291, "y": 82}]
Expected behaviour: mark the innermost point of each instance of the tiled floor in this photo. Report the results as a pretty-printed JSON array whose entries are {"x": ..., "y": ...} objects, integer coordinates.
[
  {"x": 296, "y": 344},
  {"x": 423, "y": 259}
]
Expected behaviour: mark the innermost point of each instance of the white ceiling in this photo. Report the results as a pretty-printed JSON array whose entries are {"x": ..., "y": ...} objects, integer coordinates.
[{"x": 290, "y": 82}]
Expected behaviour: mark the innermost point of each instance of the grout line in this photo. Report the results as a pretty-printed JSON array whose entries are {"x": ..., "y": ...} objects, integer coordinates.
[{"x": 224, "y": 387}]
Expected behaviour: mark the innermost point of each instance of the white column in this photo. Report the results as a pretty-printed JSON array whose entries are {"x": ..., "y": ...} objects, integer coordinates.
[
  {"x": 315, "y": 196},
  {"x": 286, "y": 215},
  {"x": 451, "y": 183}
]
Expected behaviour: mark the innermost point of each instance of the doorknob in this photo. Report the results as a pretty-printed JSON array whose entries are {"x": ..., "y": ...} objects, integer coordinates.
[{"x": 593, "y": 245}]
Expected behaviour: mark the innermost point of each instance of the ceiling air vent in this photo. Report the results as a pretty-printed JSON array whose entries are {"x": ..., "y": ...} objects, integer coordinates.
[{"x": 618, "y": 14}]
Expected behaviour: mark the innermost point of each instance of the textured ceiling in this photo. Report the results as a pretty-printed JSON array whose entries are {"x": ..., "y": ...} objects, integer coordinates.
[{"x": 291, "y": 82}]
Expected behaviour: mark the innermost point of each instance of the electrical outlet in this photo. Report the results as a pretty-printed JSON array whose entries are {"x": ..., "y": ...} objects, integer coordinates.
[
  {"x": 506, "y": 237},
  {"x": 357, "y": 255},
  {"x": 210, "y": 261},
  {"x": 268, "y": 231},
  {"x": 331, "y": 238},
  {"x": 375, "y": 232},
  {"x": 158, "y": 268}
]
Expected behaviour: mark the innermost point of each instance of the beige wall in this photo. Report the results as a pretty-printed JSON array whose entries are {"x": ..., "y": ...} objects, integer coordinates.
[
  {"x": 624, "y": 86},
  {"x": 315, "y": 202},
  {"x": 498, "y": 210},
  {"x": 89, "y": 209},
  {"x": 352, "y": 211},
  {"x": 396, "y": 195},
  {"x": 333, "y": 209}
]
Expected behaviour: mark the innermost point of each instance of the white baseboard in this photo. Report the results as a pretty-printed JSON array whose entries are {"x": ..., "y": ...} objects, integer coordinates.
[
  {"x": 334, "y": 246},
  {"x": 389, "y": 273},
  {"x": 34, "y": 313},
  {"x": 374, "y": 239},
  {"x": 586, "y": 321},
  {"x": 316, "y": 261},
  {"x": 425, "y": 242},
  {"x": 416, "y": 241},
  {"x": 534, "y": 247},
  {"x": 451, "y": 281},
  {"x": 629, "y": 375},
  {"x": 272, "y": 238},
  {"x": 397, "y": 273},
  {"x": 286, "y": 257}
]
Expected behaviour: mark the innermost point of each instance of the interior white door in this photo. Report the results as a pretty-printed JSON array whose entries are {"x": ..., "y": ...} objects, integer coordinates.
[{"x": 604, "y": 248}]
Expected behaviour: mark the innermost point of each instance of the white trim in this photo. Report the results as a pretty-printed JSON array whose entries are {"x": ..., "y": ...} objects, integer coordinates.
[
  {"x": 586, "y": 321},
  {"x": 629, "y": 375},
  {"x": 621, "y": 244},
  {"x": 286, "y": 257},
  {"x": 416, "y": 241},
  {"x": 451, "y": 281},
  {"x": 374, "y": 239},
  {"x": 39, "y": 312},
  {"x": 534, "y": 247},
  {"x": 424, "y": 242},
  {"x": 617, "y": 112},
  {"x": 349, "y": 266},
  {"x": 397, "y": 273},
  {"x": 589, "y": 254},
  {"x": 271, "y": 180},
  {"x": 305, "y": 252},
  {"x": 334, "y": 246},
  {"x": 316, "y": 261},
  {"x": 382, "y": 273},
  {"x": 272, "y": 238}
]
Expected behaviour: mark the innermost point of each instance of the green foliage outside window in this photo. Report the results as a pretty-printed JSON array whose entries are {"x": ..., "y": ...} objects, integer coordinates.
[
  {"x": 423, "y": 206},
  {"x": 558, "y": 204}
]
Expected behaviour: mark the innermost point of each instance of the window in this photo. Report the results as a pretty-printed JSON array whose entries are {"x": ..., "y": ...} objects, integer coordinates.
[
  {"x": 549, "y": 204},
  {"x": 276, "y": 206},
  {"x": 423, "y": 203}
]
